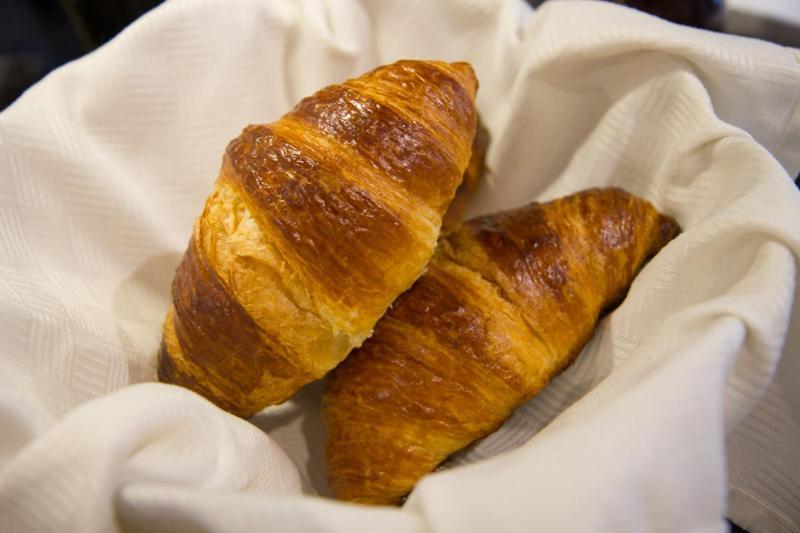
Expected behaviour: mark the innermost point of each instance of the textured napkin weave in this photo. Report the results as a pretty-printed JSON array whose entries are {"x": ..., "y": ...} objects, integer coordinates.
[{"x": 679, "y": 412}]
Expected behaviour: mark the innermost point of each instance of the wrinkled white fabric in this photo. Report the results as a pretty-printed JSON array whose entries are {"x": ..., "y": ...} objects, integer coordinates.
[{"x": 679, "y": 412}]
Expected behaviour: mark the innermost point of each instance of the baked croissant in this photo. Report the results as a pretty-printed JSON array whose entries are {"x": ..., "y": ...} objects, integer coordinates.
[
  {"x": 317, "y": 223},
  {"x": 507, "y": 302},
  {"x": 472, "y": 179}
]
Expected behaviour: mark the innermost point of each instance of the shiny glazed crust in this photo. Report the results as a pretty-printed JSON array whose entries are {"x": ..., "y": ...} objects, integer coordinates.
[
  {"x": 317, "y": 222},
  {"x": 507, "y": 303}
]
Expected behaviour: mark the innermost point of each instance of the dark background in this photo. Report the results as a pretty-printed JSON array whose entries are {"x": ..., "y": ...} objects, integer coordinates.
[{"x": 37, "y": 36}]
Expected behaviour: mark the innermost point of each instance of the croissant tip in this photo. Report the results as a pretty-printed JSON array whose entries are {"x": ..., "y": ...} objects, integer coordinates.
[
  {"x": 170, "y": 374},
  {"x": 463, "y": 66},
  {"x": 466, "y": 71},
  {"x": 165, "y": 369},
  {"x": 668, "y": 228}
]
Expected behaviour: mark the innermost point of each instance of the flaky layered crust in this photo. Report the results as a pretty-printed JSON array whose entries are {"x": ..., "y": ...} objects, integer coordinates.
[
  {"x": 507, "y": 302},
  {"x": 317, "y": 222},
  {"x": 472, "y": 180}
]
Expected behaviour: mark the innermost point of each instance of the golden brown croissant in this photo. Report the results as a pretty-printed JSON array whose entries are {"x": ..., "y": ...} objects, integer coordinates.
[
  {"x": 507, "y": 302},
  {"x": 317, "y": 222},
  {"x": 472, "y": 178}
]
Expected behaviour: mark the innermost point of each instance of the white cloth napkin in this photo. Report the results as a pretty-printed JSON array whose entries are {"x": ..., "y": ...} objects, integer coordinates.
[{"x": 678, "y": 413}]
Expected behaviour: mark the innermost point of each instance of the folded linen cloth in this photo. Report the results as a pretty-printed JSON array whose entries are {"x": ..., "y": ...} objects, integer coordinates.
[{"x": 679, "y": 412}]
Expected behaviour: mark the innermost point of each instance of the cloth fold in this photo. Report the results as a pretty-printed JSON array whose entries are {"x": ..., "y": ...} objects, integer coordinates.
[{"x": 679, "y": 412}]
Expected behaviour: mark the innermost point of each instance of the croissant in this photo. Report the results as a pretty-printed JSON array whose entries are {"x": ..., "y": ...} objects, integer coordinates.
[
  {"x": 507, "y": 303},
  {"x": 471, "y": 180},
  {"x": 316, "y": 224}
]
